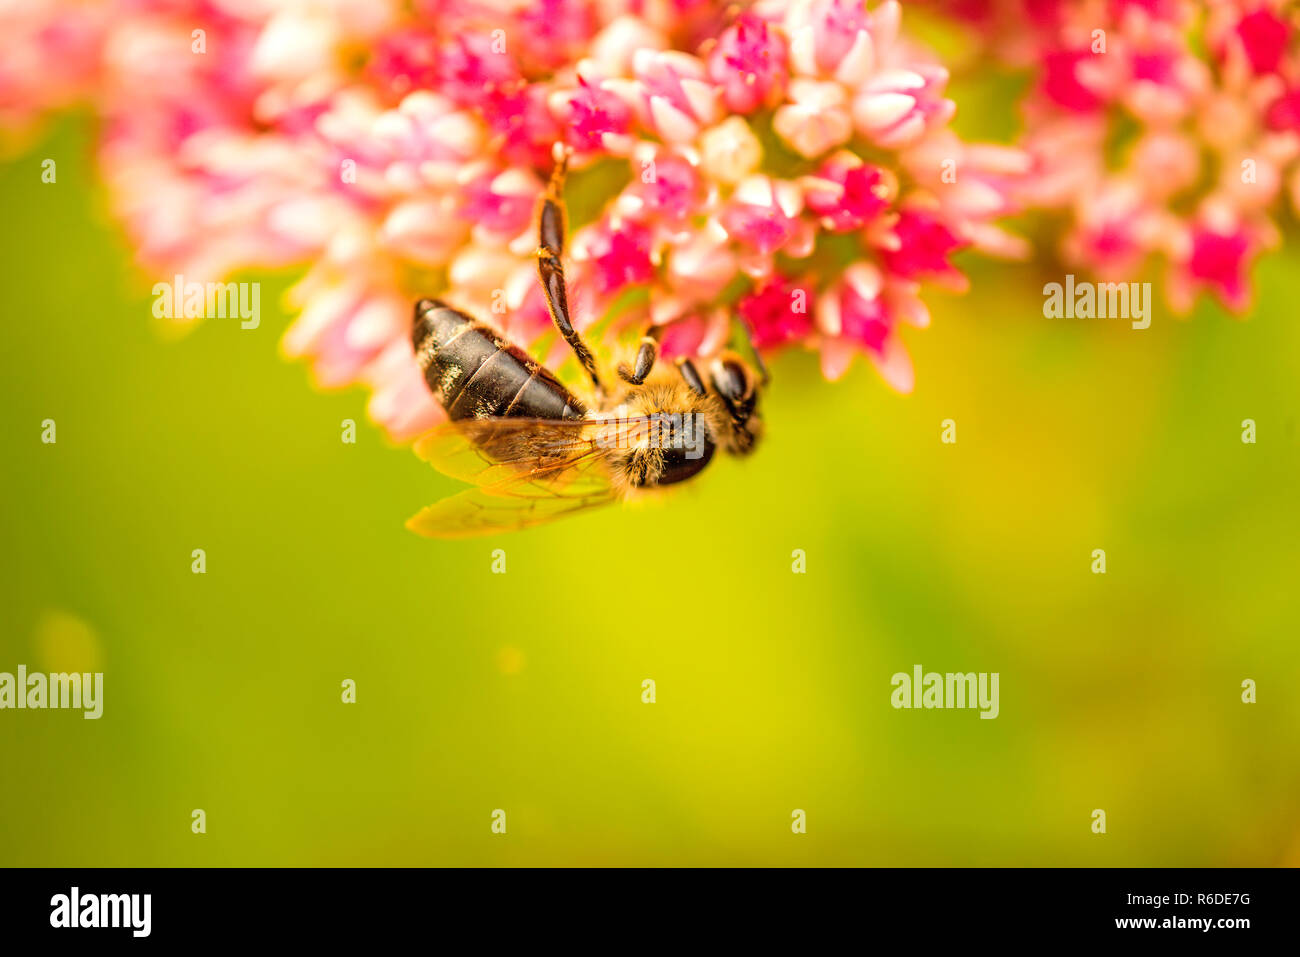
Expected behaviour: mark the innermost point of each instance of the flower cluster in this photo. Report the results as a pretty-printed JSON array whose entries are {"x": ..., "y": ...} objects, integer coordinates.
[
  {"x": 50, "y": 57},
  {"x": 789, "y": 164},
  {"x": 1168, "y": 131}
]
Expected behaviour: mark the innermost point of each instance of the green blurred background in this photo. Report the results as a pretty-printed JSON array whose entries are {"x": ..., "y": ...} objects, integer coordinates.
[{"x": 522, "y": 691}]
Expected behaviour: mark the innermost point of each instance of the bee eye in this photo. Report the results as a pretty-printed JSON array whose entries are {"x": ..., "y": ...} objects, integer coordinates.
[{"x": 729, "y": 380}]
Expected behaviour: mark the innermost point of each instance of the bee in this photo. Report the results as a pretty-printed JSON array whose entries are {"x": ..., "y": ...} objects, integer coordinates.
[{"x": 534, "y": 450}]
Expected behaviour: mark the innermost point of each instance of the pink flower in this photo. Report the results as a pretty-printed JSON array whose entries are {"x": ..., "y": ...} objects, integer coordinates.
[
  {"x": 924, "y": 243},
  {"x": 778, "y": 313},
  {"x": 405, "y": 60},
  {"x": 665, "y": 185},
  {"x": 1161, "y": 130},
  {"x": 520, "y": 117},
  {"x": 672, "y": 93},
  {"x": 848, "y": 193},
  {"x": 1110, "y": 236},
  {"x": 471, "y": 71},
  {"x": 1264, "y": 37},
  {"x": 392, "y": 151},
  {"x": 764, "y": 214},
  {"x": 52, "y": 56},
  {"x": 595, "y": 118},
  {"x": 829, "y": 33},
  {"x": 699, "y": 268},
  {"x": 749, "y": 63},
  {"x": 1215, "y": 255},
  {"x": 816, "y": 120},
  {"x": 1065, "y": 82},
  {"x": 1283, "y": 113},
  {"x": 898, "y": 107},
  {"x": 695, "y": 335},
  {"x": 855, "y": 315},
  {"x": 554, "y": 32},
  {"x": 619, "y": 255},
  {"x": 499, "y": 201},
  {"x": 1219, "y": 260}
]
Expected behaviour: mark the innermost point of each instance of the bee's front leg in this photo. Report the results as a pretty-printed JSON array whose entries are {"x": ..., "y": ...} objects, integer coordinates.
[
  {"x": 759, "y": 364},
  {"x": 692, "y": 376},
  {"x": 646, "y": 355}
]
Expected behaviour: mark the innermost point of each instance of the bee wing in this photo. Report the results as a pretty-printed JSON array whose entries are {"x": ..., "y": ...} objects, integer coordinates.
[
  {"x": 482, "y": 511},
  {"x": 474, "y": 450},
  {"x": 487, "y": 452},
  {"x": 528, "y": 471}
]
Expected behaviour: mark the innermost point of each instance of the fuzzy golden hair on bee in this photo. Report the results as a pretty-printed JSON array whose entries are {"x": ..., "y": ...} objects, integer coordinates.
[
  {"x": 668, "y": 393},
  {"x": 684, "y": 429}
]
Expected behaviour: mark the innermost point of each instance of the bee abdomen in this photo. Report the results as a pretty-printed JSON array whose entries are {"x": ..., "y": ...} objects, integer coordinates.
[{"x": 475, "y": 373}]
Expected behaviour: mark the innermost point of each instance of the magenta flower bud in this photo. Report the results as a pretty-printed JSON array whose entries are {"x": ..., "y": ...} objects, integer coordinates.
[
  {"x": 470, "y": 70},
  {"x": 520, "y": 116},
  {"x": 593, "y": 117},
  {"x": 500, "y": 201},
  {"x": 617, "y": 254},
  {"x": 553, "y": 32},
  {"x": 1065, "y": 82},
  {"x": 836, "y": 26},
  {"x": 924, "y": 244},
  {"x": 665, "y": 186},
  {"x": 749, "y": 64},
  {"x": 778, "y": 313},
  {"x": 763, "y": 214},
  {"x": 847, "y": 193},
  {"x": 404, "y": 61},
  {"x": 1218, "y": 259},
  {"x": 1264, "y": 37},
  {"x": 857, "y": 313}
]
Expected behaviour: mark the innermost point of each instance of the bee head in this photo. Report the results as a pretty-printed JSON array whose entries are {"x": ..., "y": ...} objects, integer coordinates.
[{"x": 737, "y": 386}]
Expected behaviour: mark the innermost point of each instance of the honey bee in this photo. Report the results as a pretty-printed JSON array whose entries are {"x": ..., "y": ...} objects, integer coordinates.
[{"x": 535, "y": 451}]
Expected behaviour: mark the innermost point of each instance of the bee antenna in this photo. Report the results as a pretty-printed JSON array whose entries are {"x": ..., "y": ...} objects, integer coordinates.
[{"x": 560, "y": 155}]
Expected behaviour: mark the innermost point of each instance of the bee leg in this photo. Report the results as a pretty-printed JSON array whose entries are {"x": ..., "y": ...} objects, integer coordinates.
[
  {"x": 692, "y": 376},
  {"x": 753, "y": 349},
  {"x": 550, "y": 268},
  {"x": 645, "y": 361}
]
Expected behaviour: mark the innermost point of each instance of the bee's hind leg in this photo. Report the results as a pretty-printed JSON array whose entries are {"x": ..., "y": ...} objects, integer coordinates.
[{"x": 550, "y": 267}]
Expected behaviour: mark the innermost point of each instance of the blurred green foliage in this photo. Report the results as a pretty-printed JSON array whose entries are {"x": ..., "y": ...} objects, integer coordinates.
[{"x": 522, "y": 691}]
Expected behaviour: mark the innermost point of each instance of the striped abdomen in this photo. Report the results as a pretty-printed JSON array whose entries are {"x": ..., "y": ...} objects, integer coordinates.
[{"x": 474, "y": 373}]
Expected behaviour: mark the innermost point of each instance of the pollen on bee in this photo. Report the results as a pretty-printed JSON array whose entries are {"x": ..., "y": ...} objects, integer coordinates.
[{"x": 451, "y": 372}]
